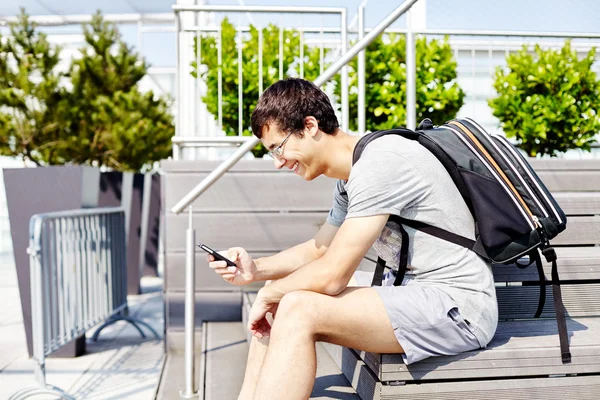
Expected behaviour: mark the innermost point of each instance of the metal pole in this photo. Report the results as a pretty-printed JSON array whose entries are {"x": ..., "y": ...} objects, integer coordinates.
[
  {"x": 281, "y": 52},
  {"x": 220, "y": 81},
  {"x": 324, "y": 77},
  {"x": 361, "y": 71},
  {"x": 321, "y": 50},
  {"x": 240, "y": 86},
  {"x": 190, "y": 390},
  {"x": 197, "y": 120},
  {"x": 345, "y": 107},
  {"x": 216, "y": 174},
  {"x": 411, "y": 73},
  {"x": 260, "y": 61},
  {"x": 176, "y": 154},
  {"x": 301, "y": 53},
  {"x": 140, "y": 27}
]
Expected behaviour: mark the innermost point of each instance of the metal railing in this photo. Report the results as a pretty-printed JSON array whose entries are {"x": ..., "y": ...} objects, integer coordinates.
[
  {"x": 324, "y": 77},
  {"x": 78, "y": 279},
  {"x": 190, "y": 390},
  {"x": 477, "y": 53},
  {"x": 189, "y": 30}
]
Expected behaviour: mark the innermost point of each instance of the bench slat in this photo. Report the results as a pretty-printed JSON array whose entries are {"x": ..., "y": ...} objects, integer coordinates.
[
  {"x": 571, "y": 181},
  {"x": 580, "y": 231},
  {"x": 557, "y": 388},
  {"x": 574, "y": 263},
  {"x": 515, "y": 302},
  {"x": 580, "y": 388},
  {"x": 519, "y": 348},
  {"x": 579, "y": 203},
  {"x": 558, "y": 165}
]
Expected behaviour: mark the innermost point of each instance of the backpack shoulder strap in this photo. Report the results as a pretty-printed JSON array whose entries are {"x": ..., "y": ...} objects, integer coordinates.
[{"x": 368, "y": 138}]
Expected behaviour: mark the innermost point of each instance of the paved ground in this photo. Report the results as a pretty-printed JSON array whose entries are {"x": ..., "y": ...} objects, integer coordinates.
[{"x": 121, "y": 365}]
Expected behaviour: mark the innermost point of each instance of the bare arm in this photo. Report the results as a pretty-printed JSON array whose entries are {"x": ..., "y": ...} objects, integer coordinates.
[
  {"x": 284, "y": 263},
  {"x": 331, "y": 273}
]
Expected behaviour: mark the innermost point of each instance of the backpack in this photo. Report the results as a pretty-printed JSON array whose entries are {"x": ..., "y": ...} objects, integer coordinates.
[{"x": 515, "y": 214}]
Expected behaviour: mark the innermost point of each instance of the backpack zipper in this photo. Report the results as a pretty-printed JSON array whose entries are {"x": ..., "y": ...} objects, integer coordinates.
[
  {"x": 533, "y": 196},
  {"x": 532, "y": 178},
  {"x": 527, "y": 216},
  {"x": 496, "y": 167}
]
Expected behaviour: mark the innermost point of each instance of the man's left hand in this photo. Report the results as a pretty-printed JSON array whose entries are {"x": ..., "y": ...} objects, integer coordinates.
[{"x": 257, "y": 319}]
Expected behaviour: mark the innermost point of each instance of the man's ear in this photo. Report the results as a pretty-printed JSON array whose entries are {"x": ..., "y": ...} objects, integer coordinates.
[{"x": 311, "y": 125}]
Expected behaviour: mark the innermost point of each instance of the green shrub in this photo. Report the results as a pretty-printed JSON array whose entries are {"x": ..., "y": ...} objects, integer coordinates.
[
  {"x": 548, "y": 100},
  {"x": 438, "y": 95},
  {"x": 270, "y": 71},
  {"x": 111, "y": 122},
  {"x": 94, "y": 114},
  {"x": 33, "y": 111}
]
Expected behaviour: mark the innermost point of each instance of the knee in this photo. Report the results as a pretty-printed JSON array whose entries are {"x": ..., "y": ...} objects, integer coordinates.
[{"x": 296, "y": 310}]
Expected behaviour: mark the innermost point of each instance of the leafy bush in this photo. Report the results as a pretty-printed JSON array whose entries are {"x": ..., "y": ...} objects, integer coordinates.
[
  {"x": 438, "y": 95},
  {"x": 93, "y": 114},
  {"x": 270, "y": 71},
  {"x": 548, "y": 100},
  {"x": 32, "y": 102}
]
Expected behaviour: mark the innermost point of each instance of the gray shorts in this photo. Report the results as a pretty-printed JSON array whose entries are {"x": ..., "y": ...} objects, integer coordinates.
[{"x": 426, "y": 322}]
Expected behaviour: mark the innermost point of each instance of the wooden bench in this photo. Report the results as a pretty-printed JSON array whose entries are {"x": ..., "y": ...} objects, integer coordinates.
[{"x": 524, "y": 354}]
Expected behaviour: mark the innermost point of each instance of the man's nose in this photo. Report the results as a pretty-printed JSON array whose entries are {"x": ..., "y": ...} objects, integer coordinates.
[{"x": 279, "y": 162}]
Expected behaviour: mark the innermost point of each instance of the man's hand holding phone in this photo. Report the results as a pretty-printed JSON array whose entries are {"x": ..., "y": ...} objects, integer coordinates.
[{"x": 241, "y": 274}]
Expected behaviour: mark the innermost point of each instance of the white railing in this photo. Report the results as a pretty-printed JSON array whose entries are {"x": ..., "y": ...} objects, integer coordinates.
[
  {"x": 190, "y": 390},
  {"x": 478, "y": 53}
]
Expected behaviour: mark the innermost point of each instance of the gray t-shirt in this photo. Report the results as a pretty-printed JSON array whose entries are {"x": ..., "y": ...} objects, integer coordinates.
[{"x": 398, "y": 176}]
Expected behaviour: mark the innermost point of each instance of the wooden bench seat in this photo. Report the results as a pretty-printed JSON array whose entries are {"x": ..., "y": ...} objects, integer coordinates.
[{"x": 519, "y": 348}]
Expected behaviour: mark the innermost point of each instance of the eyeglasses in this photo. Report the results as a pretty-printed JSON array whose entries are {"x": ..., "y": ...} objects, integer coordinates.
[{"x": 277, "y": 152}]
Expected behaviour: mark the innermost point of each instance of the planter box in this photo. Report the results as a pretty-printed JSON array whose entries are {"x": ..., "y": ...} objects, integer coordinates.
[{"x": 32, "y": 191}]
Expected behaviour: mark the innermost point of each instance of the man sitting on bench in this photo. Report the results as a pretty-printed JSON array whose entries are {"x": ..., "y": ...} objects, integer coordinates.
[{"x": 447, "y": 301}]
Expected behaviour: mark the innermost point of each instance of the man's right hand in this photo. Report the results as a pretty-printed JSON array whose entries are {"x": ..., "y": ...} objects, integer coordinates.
[{"x": 242, "y": 274}]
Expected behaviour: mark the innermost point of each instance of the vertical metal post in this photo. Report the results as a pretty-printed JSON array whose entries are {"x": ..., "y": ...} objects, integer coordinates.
[
  {"x": 301, "y": 53},
  {"x": 281, "y": 52},
  {"x": 220, "y": 80},
  {"x": 260, "y": 61},
  {"x": 361, "y": 72},
  {"x": 140, "y": 27},
  {"x": 197, "y": 86},
  {"x": 240, "y": 84},
  {"x": 321, "y": 50},
  {"x": 38, "y": 298},
  {"x": 473, "y": 86},
  {"x": 190, "y": 390},
  {"x": 345, "y": 108},
  {"x": 411, "y": 72},
  {"x": 178, "y": 97}
]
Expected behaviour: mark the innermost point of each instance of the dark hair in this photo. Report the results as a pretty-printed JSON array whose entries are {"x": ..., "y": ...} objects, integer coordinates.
[{"x": 288, "y": 102}]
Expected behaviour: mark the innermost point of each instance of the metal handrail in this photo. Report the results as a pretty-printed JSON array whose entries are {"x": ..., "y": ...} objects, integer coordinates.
[{"x": 324, "y": 77}]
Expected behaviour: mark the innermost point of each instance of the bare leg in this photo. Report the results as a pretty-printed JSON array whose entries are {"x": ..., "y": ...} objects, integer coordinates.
[
  {"x": 356, "y": 318},
  {"x": 256, "y": 356}
]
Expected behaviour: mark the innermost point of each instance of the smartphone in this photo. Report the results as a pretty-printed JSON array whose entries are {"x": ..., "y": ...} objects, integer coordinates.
[{"x": 216, "y": 255}]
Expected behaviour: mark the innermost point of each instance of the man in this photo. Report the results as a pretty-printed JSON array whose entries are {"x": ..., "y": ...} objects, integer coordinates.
[{"x": 447, "y": 303}]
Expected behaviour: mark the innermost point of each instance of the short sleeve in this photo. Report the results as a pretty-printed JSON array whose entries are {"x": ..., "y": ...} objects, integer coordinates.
[
  {"x": 383, "y": 182},
  {"x": 339, "y": 209}
]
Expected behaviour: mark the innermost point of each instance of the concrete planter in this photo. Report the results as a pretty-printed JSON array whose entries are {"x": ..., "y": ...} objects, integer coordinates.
[{"x": 32, "y": 191}]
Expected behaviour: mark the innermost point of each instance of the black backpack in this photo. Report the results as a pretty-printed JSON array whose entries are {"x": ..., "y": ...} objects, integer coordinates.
[{"x": 515, "y": 214}]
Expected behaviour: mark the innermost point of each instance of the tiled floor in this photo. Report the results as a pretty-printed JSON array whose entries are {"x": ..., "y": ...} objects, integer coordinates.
[{"x": 120, "y": 365}]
